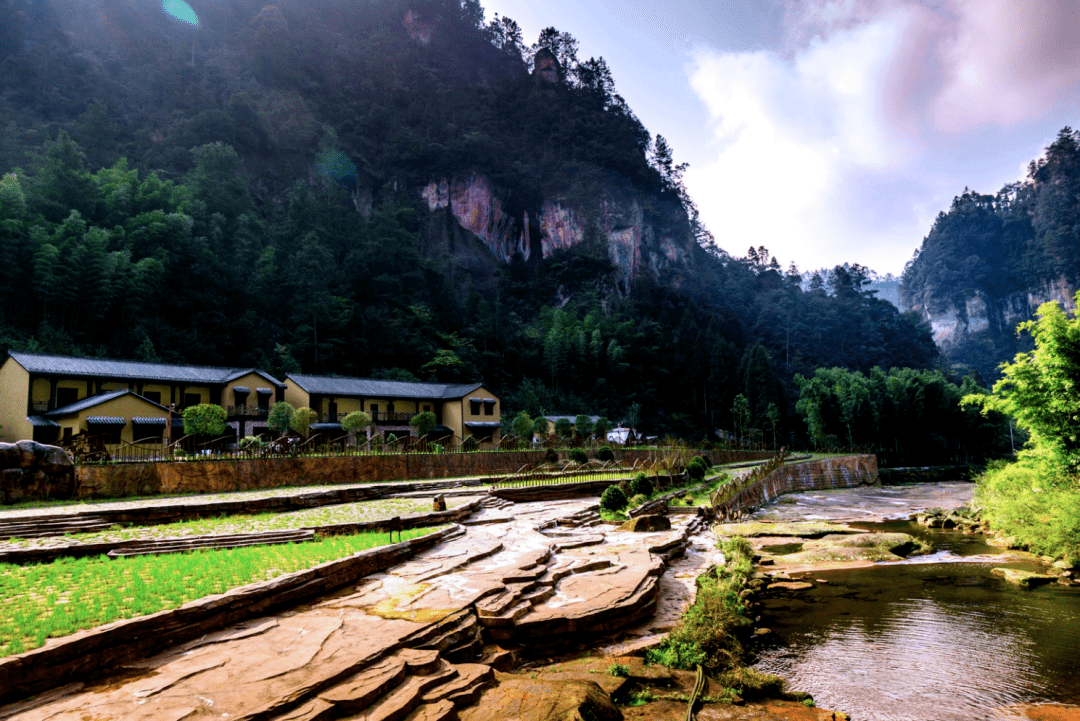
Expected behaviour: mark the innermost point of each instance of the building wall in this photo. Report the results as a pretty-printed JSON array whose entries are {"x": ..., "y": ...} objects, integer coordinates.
[
  {"x": 451, "y": 417},
  {"x": 251, "y": 381},
  {"x": 125, "y": 406},
  {"x": 14, "y": 388},
  {"x": 468, "y": 415},
  {"x": 296, "y": 396}
]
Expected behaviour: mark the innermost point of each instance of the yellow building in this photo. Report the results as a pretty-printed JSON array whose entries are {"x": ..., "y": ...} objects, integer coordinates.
[
  {"x": 461, "y": 410},
  {"x": 48, "y": 397}
]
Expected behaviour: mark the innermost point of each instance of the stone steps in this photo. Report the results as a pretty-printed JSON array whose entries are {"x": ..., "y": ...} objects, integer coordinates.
[
  {"x": 410, "y": 684},
  {"x": 234, "y": 540},
  {"x": 43, "y": 528}
]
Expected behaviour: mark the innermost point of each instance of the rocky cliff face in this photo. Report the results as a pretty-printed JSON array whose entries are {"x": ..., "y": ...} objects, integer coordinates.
[
  {"x": 641, "y": 234},
  {"x": 980, "y": 332}
]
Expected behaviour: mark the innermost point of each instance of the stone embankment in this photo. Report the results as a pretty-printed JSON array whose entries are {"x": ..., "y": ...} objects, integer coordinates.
[
  {"x": 840, "y": 472},
  {"x": 117, "y": 480}
]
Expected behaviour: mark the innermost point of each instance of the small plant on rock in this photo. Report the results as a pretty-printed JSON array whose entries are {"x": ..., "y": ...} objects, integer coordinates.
[
  {"x": 618, "y": 670},
  {"x": 613, "y": 499}
]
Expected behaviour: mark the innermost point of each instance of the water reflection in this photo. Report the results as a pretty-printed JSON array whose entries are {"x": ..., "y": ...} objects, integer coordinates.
[{"x": 928, "y": 641}]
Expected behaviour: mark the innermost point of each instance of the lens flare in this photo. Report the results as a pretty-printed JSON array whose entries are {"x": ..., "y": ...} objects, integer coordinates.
[{"x": 181, "y": 11}]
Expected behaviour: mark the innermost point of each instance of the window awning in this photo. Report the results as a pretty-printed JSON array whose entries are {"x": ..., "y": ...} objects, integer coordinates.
[
  {"x": 106, "y": 421},
  {"x": 265, "y": 391},
  {"x": 325, "y": 426},
  {"x": 241, "y": 389},
  {"x": 42, "y": 422},
  {"x": 483, "y": 424},
  {"x": 148, "y": 422},
  {"x": 489, "y": 401}
]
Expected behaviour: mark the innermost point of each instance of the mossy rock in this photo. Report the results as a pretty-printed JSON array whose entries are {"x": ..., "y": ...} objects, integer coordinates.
[
  {"x": 858, "y": 547},
  {"x": 803, "y": 529},
  {"x": 1024, "y": 579},
  {"x": 646, "y": 524}
]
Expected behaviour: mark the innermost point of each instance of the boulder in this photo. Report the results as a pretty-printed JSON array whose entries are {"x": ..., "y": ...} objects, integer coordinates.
[
  {"x": 1024, "y": 579},
  {"x": 528, "y": 699},
  {"x": 439, "y": 504},
  {"x": 31, "y": 471},
  {"x": 646, "y": 524}
]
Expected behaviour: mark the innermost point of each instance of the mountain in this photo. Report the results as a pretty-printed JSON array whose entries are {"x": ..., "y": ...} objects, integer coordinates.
[
  {"x": 392, "y": 188},
  {"x": 991, "y": 260}
]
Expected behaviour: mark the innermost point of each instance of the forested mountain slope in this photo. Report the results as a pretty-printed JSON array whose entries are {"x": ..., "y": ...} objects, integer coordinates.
[
  {"x": 989, "y": 262},
  {"x": 387, "y": 188}
]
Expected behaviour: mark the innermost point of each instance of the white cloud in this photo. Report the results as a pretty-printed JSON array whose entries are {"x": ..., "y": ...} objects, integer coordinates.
[{"x": 789, "y": 136}]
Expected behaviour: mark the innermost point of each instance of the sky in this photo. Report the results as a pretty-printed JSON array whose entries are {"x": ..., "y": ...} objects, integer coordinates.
[{"x": 833, "y": 131}]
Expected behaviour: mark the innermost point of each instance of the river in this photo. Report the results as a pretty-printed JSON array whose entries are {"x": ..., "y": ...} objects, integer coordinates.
[{"x": 934, "y": 637}]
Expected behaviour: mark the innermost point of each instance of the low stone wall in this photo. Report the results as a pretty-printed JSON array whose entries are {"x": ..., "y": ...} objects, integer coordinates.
[
  {"x": 117, "y": 480},
  {"x": 91, "y": 653},
  {"x": 841, "y": 472},
  {"x": 44, "y": 554},
  {"x": 551, "y": 492},
  {"x": 31, "y": 471}
]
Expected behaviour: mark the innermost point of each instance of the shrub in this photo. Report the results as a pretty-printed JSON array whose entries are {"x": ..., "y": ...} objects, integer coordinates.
[
  {"x": 613, "y": 499},
  {"x": 424, "y": 423},
  {"x": 564, "y": 428},
  {"x": 356, "y": 421},
  {"x": 638, "y": 500},
  {"x": 204, "y": 419},
  {"x": 604, "y": 453},
  {"x": 641, "y": 485},
  {"x": 280, "y": 418},
  {"x": 250, "y": 443},
  {"x": 301, "y": 420},
  {"x": 579, "y": 456},
  {"x": 708, "y": 461},
  {"x": 695, "y": 471},
  {"x": 702, "y": 461},
  {"x": 624, "y": 486}
]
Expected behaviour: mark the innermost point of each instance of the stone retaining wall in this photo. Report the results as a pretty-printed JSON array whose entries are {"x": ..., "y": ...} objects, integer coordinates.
[
  {"x": 841, "y": 472},
  {"x": 45, "y": 554},
  {"x": 91, "y": 653},
  {"x": 117, "y": 480}
]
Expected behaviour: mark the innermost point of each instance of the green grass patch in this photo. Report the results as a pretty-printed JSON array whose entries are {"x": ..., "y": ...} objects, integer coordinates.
[
  {"x": 50, "y": 600},
  {"x": 362, "y": 511},
  {"x": 708, "y": 633}
]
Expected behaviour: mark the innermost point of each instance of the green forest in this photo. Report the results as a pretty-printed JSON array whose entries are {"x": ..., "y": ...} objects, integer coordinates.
[
  {"x": 1025, "y": 238},
  {"x": 246, "y": 192}
]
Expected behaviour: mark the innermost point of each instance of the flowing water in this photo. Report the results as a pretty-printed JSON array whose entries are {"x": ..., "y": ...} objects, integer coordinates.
[{"x": 935, "y": 637}]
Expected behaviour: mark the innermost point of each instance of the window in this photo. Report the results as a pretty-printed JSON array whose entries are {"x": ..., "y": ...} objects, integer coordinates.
[
  {"x": 374, "y": 411},
  {"x": 427, "y": 409},
  {"x": 66, "y": 396},
  {"x": 192, "y": 399},
  {"x": 474, "y": 406},
  {"x": 108, "y": 433},
  {"x": 68, "y": 433},
  {"x": 152, "y": 396},
  {"x": 489, "y": 409},
  {"x": 389, "y": 407}
]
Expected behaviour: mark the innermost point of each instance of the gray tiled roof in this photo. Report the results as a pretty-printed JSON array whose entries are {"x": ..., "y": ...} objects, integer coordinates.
[
  {"x": 91, "y": 401},
  {"x": 130, "y": 370},
  {"x": 373, "y": 388}
]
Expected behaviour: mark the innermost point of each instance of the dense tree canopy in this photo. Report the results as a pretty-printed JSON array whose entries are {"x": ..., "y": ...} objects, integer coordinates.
[{"x": 257, "y": 203}]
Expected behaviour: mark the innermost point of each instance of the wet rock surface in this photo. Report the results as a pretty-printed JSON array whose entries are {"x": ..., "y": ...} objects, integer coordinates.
[{"x": 420, "y": 639}]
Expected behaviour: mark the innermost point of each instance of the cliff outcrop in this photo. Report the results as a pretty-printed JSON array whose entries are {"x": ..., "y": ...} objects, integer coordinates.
[
  {"x": 639, "y": 233},
  {"x": 978, "y": 330}
]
